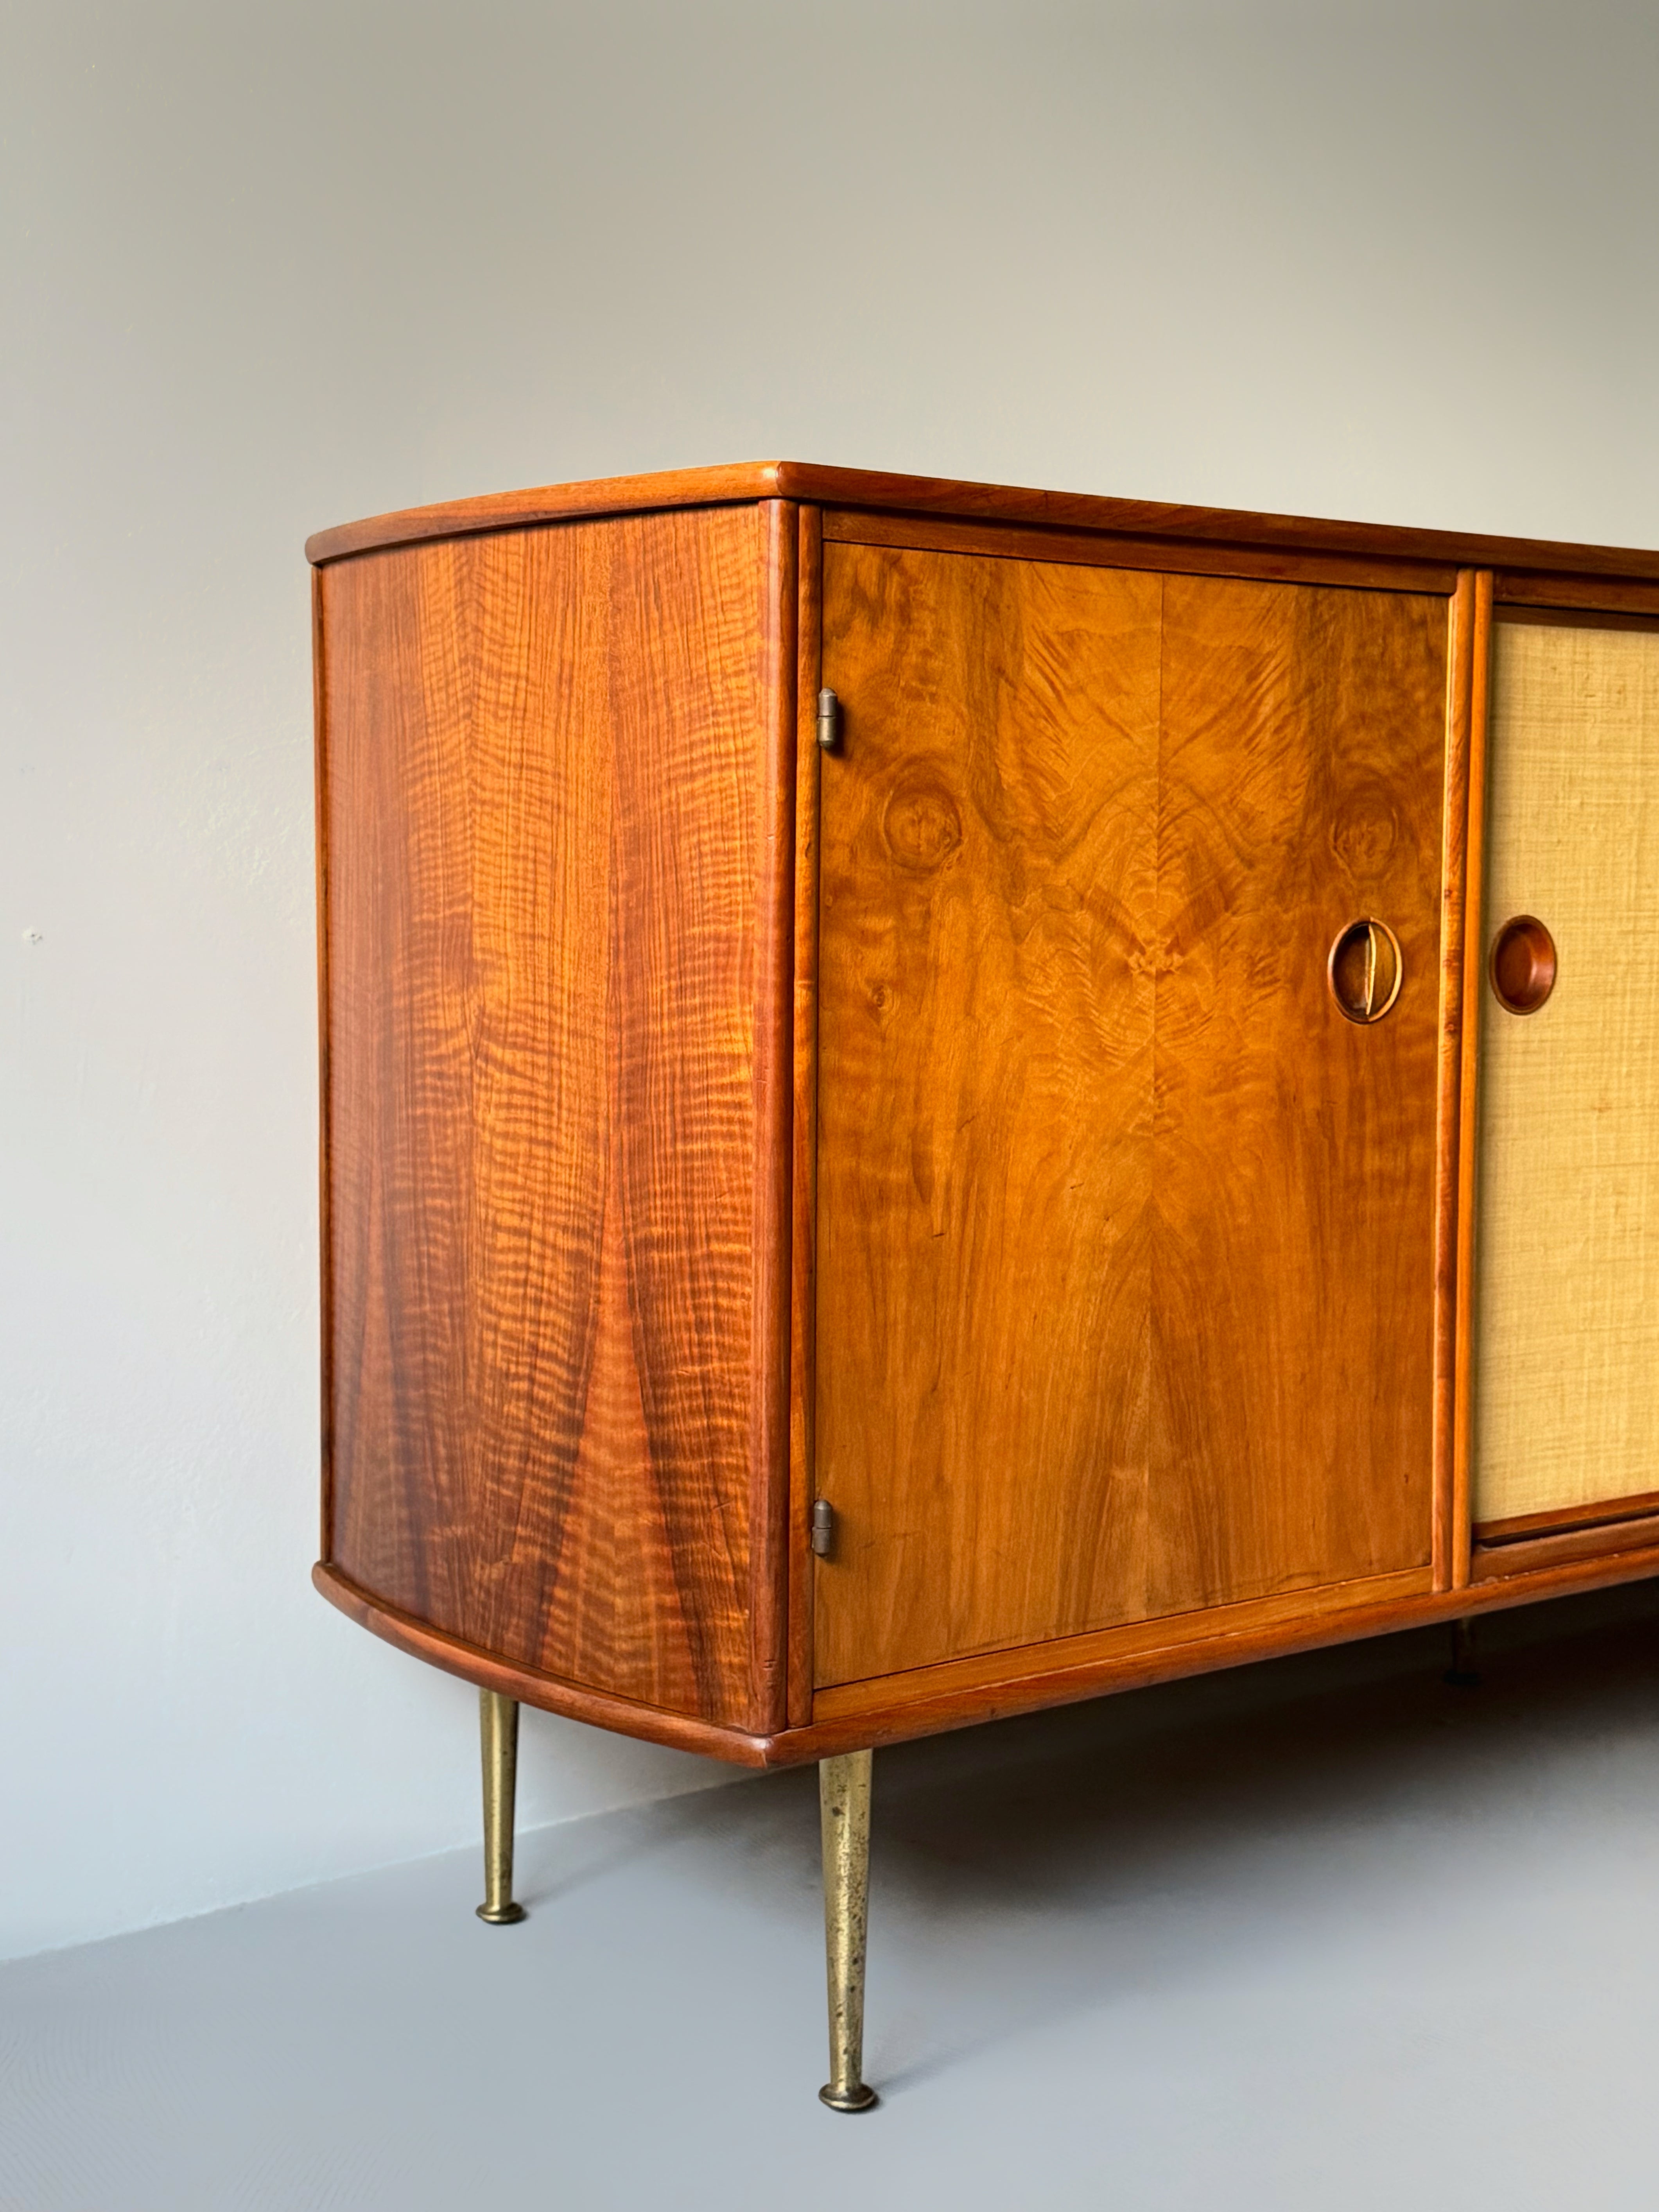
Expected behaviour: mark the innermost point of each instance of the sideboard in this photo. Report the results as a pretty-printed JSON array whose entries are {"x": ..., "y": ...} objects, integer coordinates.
[{"x": 938, "y": 1099}]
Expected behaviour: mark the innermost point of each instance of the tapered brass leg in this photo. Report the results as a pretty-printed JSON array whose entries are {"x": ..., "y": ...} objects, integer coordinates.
[
  {"x": 498, "y": 1727},
  {"x": 1463, "y": 1674},
  {"x": 844, "y": 1808}
]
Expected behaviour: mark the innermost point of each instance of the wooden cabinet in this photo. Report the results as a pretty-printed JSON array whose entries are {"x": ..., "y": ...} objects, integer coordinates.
[{"x": 940, "y": 1099}]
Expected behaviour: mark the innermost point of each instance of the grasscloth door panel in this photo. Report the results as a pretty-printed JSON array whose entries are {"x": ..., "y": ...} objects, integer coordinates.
[
  {"x": 1125, "y": 1264},
  {"x": 1566, "y": 1353}
]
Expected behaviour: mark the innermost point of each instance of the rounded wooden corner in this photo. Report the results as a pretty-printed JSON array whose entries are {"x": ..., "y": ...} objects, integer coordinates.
[
  {"x": 570, "y": 1700},
  {"x": 722, "y": 485}
]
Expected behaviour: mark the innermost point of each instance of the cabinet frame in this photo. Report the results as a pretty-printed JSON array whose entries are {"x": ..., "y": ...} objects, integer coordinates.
[{"x": 804, "y": 506}]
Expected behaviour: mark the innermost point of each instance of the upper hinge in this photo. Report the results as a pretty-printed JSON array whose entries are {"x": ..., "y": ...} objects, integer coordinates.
[
  {"x": 823, "y": 1527},
  {"x": 829, "y": 719}
]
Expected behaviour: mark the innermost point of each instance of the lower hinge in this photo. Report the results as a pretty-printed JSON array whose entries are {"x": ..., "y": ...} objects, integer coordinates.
[
  {"x": 829, "y": 719},
  {"x": 823, "y": 1527}
]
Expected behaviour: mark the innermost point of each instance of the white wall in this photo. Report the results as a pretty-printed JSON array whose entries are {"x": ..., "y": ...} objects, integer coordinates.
[{"x": 270, "y": 268}]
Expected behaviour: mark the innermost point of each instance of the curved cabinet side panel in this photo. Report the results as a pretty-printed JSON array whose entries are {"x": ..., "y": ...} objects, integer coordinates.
[{"x": 543, "y": 760}]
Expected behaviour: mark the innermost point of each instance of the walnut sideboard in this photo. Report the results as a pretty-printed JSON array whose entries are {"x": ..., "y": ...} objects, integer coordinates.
[{"x": 937, "y": 1099}]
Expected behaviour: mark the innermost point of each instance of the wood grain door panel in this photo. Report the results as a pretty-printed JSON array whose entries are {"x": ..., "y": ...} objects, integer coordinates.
[
  {"x": 1303, "y": 766},
  {"x": 988, "y": 869},
  {"x": 1111, "y": 1194}
]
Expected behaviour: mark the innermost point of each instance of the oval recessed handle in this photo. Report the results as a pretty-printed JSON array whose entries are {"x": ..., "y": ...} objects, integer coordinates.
[
  {"x": 1522, "y": 964},
  {"x": 1366, "y": 969}
]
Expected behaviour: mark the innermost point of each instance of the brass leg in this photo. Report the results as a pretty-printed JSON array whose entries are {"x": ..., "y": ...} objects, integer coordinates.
[
  {"x": 844, "y": 1808},
  {"x": 1463, "y": 1675},
  {"x": 498, "y": 1726}
]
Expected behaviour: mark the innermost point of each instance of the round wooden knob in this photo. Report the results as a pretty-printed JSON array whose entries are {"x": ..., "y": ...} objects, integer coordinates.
[
  {"x": 1366, "y": 969},
  {"x": 1522, "y": 964}
]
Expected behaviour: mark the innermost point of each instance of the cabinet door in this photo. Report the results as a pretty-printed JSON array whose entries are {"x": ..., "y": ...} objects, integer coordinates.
[
  {"x": 1566, "y": 1350},
  {"x": 1125, "y": 1287}
]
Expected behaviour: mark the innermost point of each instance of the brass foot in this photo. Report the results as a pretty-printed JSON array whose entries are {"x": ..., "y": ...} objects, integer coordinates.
[
  {"x": 844, "y": 1810},
  {"x": 505, "y": 1916},
  {"x": 856, "y": 2100},
  {"x": 1462, "y": 1674},
  {"x": 498, "y": 1729}
]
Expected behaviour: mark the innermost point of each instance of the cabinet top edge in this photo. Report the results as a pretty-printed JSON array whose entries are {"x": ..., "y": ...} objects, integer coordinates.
[{"x": 745, "y": 481}]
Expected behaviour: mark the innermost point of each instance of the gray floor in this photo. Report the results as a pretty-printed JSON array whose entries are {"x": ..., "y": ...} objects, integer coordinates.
[{"x": 1326, "y": 1933}]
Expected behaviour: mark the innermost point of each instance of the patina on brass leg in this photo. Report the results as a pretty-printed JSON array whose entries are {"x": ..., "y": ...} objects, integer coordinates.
[
  {"x": 844, "y": 1808},
  {"x": 1463, "y": 1674},
  {"x": 498, "y": 1727}
]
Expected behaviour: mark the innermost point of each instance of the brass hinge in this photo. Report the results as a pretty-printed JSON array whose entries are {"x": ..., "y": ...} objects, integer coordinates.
[
  {"x": 829, "y": 719},
  {"x": 823, "y": 1527}
]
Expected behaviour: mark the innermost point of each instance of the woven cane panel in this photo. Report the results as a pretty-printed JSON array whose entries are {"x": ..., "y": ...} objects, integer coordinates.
[{"x": 1566, "y": 1328}]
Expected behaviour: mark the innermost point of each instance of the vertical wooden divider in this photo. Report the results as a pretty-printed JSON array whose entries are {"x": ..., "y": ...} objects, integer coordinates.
[
  {"x": 802, "y": 1293},
  {"x": 319, "y": 800},
  {"x": 770, "y": 1420},
  {"x": 1477, "y": 654},
  {"x": 1459, "y": 664}
]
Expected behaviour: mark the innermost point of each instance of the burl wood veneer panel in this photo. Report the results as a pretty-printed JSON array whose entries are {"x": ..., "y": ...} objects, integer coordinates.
[
  {"x": 1566, "y": 1347},
  {"x": 1302, "y": 787},
  {"x": 1110, "y": 1195},
  {"x": 545, "y": 763},
  {"x": 985, "y": 1028}
]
